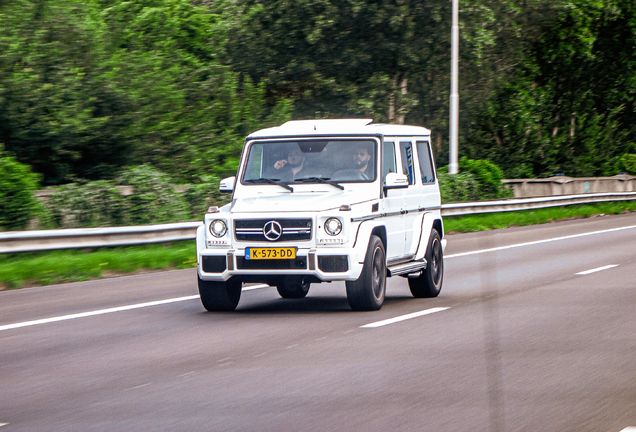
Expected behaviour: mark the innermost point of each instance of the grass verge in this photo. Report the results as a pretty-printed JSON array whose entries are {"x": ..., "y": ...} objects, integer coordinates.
[
  {"x": 45, "y": 268},
  {"x": 484, "y": 222}
]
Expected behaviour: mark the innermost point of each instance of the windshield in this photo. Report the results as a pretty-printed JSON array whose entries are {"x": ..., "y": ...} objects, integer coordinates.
[{"x": 310, "y": 161}]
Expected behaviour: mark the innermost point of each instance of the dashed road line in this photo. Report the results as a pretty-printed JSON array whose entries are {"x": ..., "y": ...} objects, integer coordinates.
[
  {"x": 532, "y": 243},
  {"x": 254, "y": 287},
  {"x": 598, "y": 269},
  {"x": 404, "y": 317},
  {"x": 96, "y": 312},
  {"x": 138, "y": 387},
  {"x": 629, "y": 429}
]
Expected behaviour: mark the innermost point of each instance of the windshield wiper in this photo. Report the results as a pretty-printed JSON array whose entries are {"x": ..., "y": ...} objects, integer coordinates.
[
  {"x": 325, "y": 180},
  {"x": 270, "y": 181}
]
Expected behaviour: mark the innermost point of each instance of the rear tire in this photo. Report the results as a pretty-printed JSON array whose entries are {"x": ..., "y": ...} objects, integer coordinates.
[
  {"x": 293, "y": 288},
  {"x": 367, "y": 293},
  {"x": 429, "y": 283},
  {"x": 220, "y": 296}
]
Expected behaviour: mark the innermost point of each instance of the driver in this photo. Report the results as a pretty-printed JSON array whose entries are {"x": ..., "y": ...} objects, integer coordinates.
[{"x": 362, "y": 162}]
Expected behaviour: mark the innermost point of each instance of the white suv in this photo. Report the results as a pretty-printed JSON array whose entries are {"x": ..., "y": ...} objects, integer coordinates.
[{"x": 326, "y": 200}]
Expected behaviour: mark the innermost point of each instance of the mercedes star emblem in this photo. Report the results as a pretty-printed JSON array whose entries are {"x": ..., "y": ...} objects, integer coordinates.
[{"x": 272, "y": 230}]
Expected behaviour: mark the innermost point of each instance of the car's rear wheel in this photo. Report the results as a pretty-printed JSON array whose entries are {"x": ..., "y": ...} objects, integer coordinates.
[
  {"x": 293, "y": 288},
  {"x": 367, "y": 293},
  {"x": 429, "y": 283},
  {"x": 220, "y": 296}
]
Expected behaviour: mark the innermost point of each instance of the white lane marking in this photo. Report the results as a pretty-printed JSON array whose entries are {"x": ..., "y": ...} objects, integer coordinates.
[
  {"x": 598, "y": 269},
  {"x": 138, "y": 387},
  {"x": 537, "y": 242},
  {"x": 173, "y": 300},
  {"x": 4, "y": 424},
  {"x": 253, "y": 287},
  {"x": 110, "y": 310},
  {"x": 629, "y": 429},
  {"x": 404, "y": 317},
  {"x": 96, "y": 312}
]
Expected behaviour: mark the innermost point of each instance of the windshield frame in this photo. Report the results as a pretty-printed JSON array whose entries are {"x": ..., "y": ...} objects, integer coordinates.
[{"x": 305, "y": 141}]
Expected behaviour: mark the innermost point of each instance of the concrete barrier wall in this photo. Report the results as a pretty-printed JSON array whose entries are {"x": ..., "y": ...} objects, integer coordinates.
[{"x": 562, "y": 185}]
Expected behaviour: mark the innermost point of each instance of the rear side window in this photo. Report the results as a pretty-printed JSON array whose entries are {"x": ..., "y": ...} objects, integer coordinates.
[
  {"x": 406, "y": 150},
  {"x": 426, "y": 165}
]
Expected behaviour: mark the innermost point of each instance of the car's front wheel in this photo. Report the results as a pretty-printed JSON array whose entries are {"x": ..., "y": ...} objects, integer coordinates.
[
  {"x": 367, "y": 293},
  {"x": 429, "y": 283},
  {"x": 220, "y": 296}
]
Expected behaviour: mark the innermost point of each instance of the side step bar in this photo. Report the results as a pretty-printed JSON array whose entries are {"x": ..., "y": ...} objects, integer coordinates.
[{"x": 406, "y": 268}]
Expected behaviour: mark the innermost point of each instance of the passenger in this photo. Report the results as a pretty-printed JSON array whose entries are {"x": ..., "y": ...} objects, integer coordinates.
[{"x": 293, "y": 167}]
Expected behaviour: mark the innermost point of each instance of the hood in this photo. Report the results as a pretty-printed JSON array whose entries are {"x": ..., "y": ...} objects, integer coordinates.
[{"x": 296, "y": 202}]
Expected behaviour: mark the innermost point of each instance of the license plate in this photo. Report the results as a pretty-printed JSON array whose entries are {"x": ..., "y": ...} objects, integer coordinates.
[{"x": 270, "y": 253}]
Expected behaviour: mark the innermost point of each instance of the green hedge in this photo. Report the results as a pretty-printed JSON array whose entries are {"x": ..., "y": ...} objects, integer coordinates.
[
  {"x": 155, "y": 200},
  {"x": 476, "y": 180},
  {"x": 18, "y": 204}
]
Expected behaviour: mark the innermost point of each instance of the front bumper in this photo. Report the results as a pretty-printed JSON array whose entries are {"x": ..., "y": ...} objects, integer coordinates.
[{"x": 324, "y": 263}]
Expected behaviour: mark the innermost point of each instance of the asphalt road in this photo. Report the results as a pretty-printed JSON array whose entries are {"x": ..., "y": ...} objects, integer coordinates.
[{"x": 517, "y": 341}]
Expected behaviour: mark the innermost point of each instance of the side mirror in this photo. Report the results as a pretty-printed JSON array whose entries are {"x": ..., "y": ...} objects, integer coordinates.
[
  {"x": 395, "y": 181},
  {"x": 227, "y": 185}
]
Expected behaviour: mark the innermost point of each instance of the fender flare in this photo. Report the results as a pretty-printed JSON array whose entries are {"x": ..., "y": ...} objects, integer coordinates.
[
  {"x": 428, "y": 223},
  {"x": 363, "y": 237}
]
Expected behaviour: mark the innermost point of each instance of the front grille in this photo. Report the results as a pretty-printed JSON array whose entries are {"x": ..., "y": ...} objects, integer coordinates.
[
  {"x": 299, "y": 263},
  {"x": 253, "y": 230},
  {"x": 213, "y": 264},
  {"x": 333, "y": 263}
]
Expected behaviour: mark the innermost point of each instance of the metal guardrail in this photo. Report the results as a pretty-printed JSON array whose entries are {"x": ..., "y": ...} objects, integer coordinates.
[
  {"x": 80, "y": 238},
  {"x": 516, "y": 204}
]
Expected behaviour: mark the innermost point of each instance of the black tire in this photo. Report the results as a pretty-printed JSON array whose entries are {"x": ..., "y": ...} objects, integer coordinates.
[
  {"x": 367, "y": 293},
  {"x": 429, "y": 283},
  {"x": 220, "y": 296},
  {"x": 293, "y": 288}
]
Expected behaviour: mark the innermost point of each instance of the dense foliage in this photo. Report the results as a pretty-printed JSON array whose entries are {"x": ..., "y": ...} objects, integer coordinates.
[
  {"x": 89, "y": 87},
  {"x": 17, "y": 200},
  {"x": 153, "y": 198}
]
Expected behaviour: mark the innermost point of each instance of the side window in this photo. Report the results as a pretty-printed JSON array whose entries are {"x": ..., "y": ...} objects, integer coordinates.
[
  {"x": 424, "y": 156},
  {"x": 406, "y": 150},
  {"x": 388, "y": 159}
]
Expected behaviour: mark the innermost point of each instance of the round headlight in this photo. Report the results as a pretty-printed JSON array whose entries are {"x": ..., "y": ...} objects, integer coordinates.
[
  {"x": 218, "y": 228},
  {"x": 333, "y": 226}
]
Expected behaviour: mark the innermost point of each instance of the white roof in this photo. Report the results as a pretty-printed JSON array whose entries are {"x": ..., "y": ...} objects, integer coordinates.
[{"x": 339, "y": 127}]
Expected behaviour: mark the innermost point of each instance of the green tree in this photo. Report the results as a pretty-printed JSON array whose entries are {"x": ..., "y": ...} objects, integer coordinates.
[{"x": 18, "y": 184}]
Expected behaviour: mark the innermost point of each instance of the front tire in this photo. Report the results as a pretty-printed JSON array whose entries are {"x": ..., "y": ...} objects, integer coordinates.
[
  {"x": 220, "y": 296},
  {"x": 429, "y": 283},
  {"x": 367, "y": 293},
  {"x": 293, "y": 288}
]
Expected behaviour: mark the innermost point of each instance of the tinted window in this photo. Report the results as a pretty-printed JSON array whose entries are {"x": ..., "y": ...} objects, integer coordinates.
[
  {"x": 300, "y": 161},
  {"x": 424, "y": 156},
  {"x": 406, "y": 150},
  {"x": 388, "y": 160}
]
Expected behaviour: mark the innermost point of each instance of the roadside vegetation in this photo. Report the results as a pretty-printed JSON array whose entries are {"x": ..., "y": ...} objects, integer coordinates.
[{"x": 45, "y": 268}]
